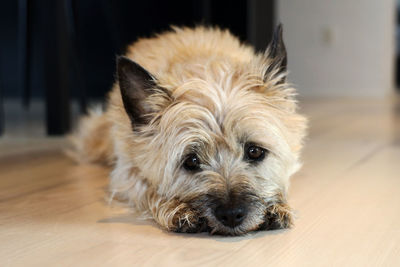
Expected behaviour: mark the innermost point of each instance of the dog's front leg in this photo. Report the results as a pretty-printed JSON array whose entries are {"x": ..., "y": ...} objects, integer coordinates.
[
  {"x": 175, "y": 215},
  {"x": 278, "y": 216}
]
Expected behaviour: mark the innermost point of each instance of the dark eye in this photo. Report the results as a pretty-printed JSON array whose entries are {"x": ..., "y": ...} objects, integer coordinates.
[
  {"x": 192, "y": 163},
  {"x": 254, "y": 153}
]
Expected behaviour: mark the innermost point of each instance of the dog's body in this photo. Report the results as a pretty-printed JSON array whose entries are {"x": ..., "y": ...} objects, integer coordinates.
[{"x": 202, "y": 133}]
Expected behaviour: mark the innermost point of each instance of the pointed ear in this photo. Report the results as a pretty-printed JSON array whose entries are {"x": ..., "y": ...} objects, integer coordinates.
[
  {"x": 136, "y": 85},
  {"x": 276, "y": 51}
]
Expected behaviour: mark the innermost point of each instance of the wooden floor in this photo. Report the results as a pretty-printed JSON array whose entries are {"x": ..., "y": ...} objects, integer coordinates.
[{"x": 347, "y": 199}]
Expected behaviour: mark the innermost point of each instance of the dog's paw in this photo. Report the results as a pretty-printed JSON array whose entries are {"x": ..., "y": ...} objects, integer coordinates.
[
  {"x": 185, "y": 226},
  {"x": 278, "y": 216}
]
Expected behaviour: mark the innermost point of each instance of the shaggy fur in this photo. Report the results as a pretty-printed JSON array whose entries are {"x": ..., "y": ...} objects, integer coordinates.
[{"x": 209, "y": 95}]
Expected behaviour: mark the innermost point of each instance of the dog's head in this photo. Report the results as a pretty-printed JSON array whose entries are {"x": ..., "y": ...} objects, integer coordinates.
[{"x": 219, "y": 140}]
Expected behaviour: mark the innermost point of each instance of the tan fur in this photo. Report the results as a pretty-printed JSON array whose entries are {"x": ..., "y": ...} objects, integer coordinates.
[
  {"x": 92, "y": 141},
  {"x": 218, "y": 98}
]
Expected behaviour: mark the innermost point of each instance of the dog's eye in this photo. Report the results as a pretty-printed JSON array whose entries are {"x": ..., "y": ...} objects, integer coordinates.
[
  {"x": 192, "y": 163},
  {"x": 254, "y": 153}
]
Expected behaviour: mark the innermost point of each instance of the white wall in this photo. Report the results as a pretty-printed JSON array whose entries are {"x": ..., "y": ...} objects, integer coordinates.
[{"x": 339, "y": 47}]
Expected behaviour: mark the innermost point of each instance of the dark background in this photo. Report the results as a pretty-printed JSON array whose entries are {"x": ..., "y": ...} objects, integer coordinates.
[
  {"x": 61, "y": 50},
  {"x": 102, "y": 29}
]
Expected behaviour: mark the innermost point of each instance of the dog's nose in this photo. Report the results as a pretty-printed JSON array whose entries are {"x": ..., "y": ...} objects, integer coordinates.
[{"x": 230, "y": 216}]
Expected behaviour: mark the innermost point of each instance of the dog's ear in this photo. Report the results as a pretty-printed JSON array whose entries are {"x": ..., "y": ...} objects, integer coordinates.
[
  {"x": 137, "y": 85},
  {"x": 276, "y": 52}
]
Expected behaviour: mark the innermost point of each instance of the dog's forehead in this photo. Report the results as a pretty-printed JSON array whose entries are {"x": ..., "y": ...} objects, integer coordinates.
[{"x": 222, "y": 125}]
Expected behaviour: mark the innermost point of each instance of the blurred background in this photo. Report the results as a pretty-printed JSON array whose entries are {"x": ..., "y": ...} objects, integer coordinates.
[{"x": 58, "y": 57}]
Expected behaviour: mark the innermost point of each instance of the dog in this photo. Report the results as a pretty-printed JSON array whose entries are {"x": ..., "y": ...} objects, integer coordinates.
[{"x": 202, "y": 132}]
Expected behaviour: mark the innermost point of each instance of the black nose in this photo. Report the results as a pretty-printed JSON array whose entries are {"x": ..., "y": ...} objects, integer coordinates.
[{"x": 231, "y": 216}]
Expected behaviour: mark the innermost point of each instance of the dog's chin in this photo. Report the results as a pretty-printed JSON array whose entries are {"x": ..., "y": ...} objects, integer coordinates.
[
  {"x": 261, "y": 216},
  {"x": 267, "y": 222},
  {"x": 213, "y": 227}
]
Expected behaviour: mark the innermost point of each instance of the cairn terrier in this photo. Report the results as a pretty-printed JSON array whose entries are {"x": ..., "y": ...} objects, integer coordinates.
[{"x": 202, "y": 133}]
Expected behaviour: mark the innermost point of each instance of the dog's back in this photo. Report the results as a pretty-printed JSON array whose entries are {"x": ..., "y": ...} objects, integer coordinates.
[{"x": 187, "y": 48}]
